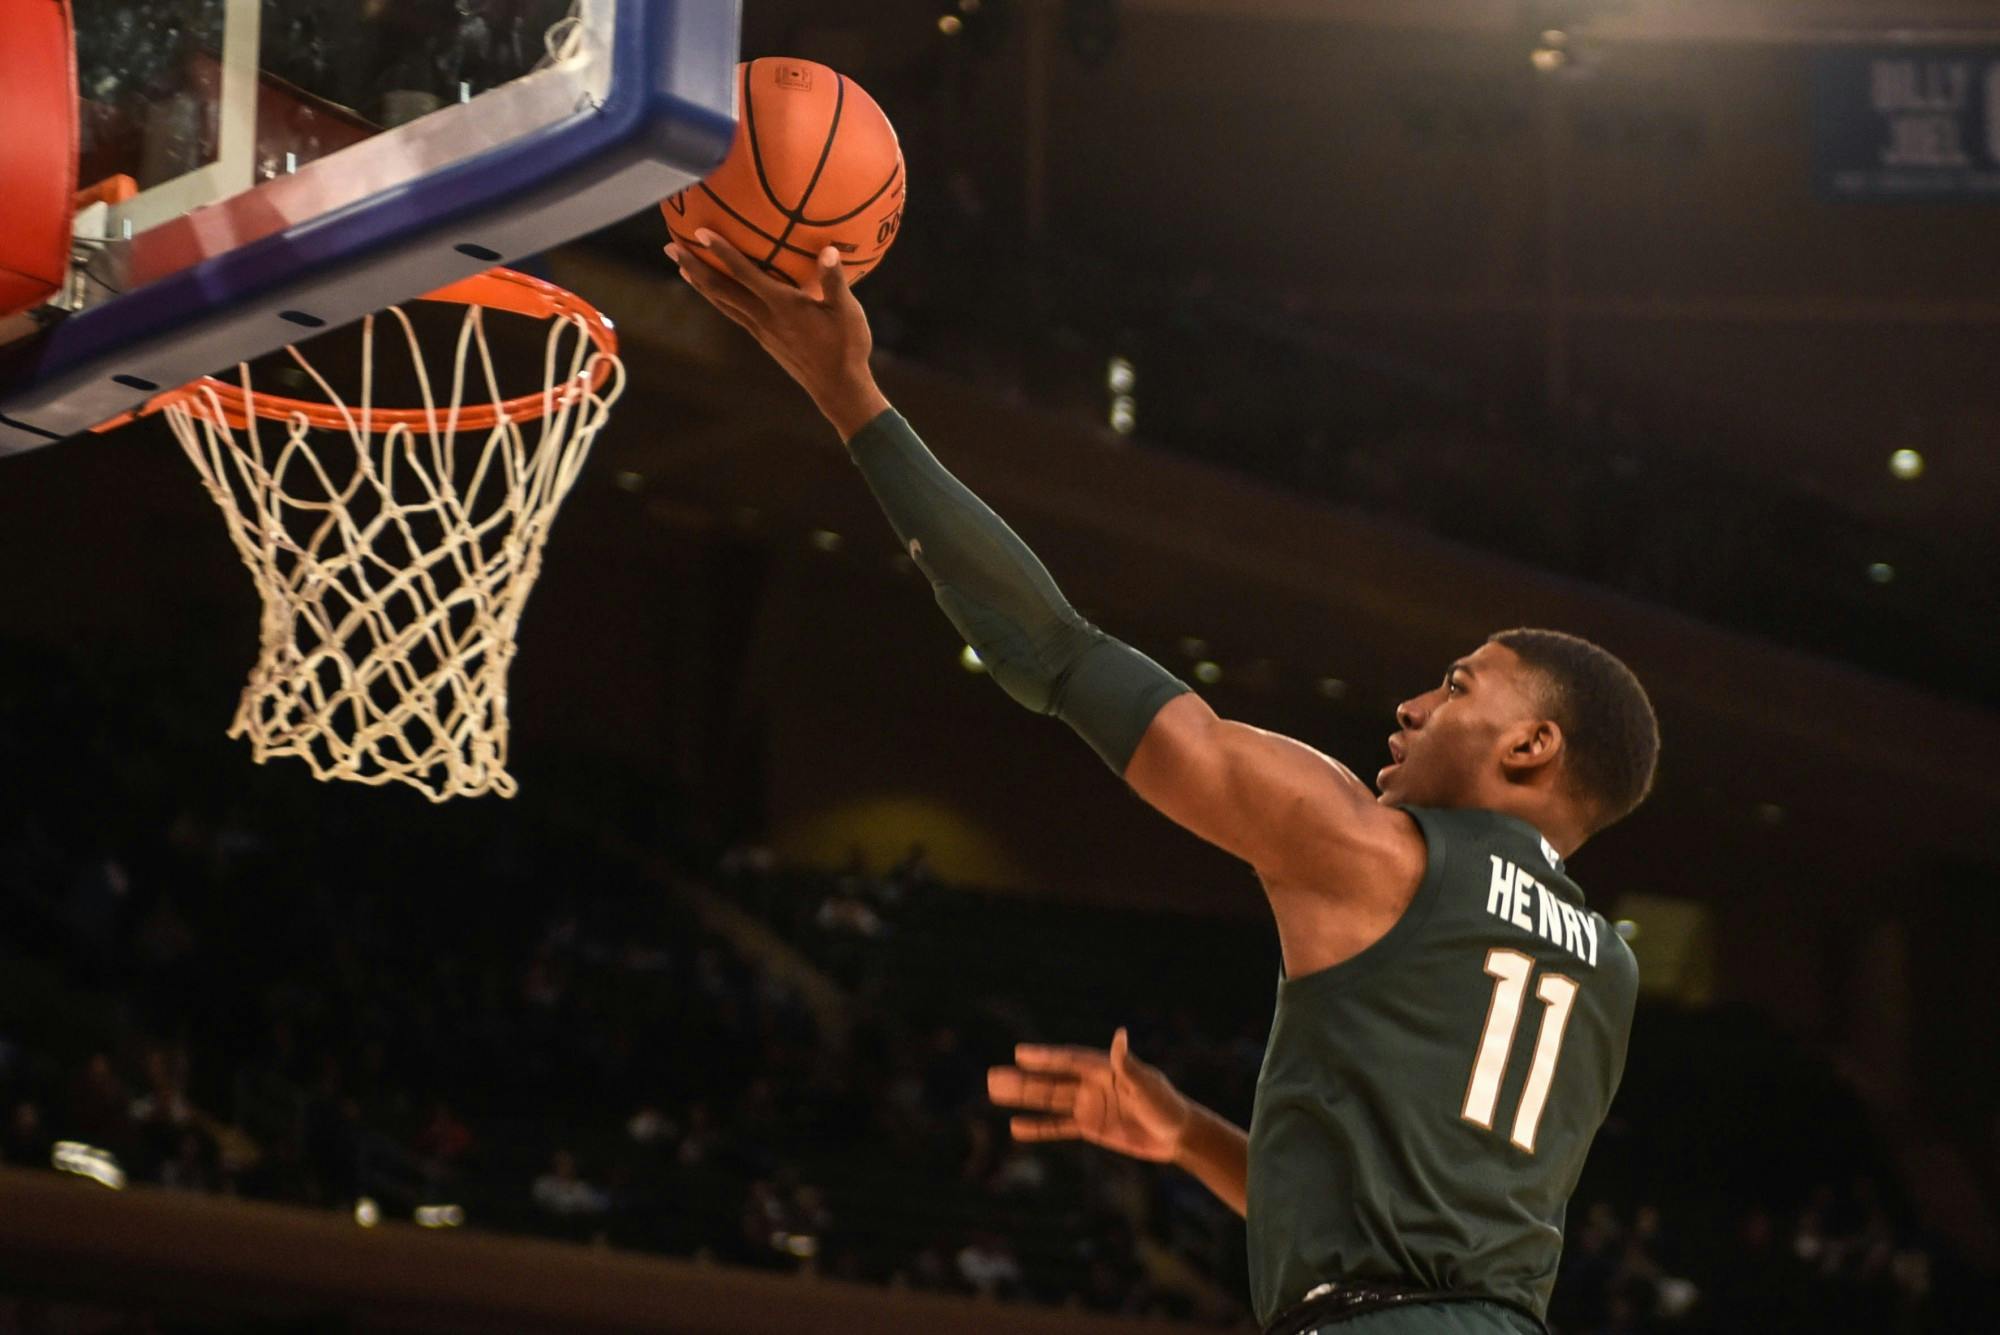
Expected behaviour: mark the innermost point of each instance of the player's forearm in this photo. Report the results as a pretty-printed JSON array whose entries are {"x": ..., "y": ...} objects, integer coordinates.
[
  {"x": 1002, "y": 599},
  {"x": 1217, "y": 1153}
]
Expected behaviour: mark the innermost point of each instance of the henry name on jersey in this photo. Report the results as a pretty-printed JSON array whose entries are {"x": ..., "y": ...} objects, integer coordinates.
[{"x": 1518, "y": 898}]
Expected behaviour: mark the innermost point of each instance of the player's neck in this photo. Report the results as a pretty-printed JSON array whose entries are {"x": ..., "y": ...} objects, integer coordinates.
[{"x": 1550, "y": 818}]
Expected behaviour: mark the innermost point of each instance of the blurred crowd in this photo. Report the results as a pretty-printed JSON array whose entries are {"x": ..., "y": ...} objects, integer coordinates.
[{"x": 250, "y": 984}]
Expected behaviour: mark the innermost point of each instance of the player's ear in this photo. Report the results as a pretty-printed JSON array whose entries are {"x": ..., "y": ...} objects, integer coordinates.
[{"x": 1532, "y": 745}]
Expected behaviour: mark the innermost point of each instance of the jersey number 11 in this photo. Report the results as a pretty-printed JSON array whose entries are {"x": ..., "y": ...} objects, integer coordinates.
[{"x": 1510, "y": 971}]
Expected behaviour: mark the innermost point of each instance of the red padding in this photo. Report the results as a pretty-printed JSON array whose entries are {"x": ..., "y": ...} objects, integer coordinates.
[{"x": 37, "y": 149}]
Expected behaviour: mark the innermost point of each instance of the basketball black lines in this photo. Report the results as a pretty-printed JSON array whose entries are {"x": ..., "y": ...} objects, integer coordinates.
[
  {"x": 895, "y": 173},
  {"x": 764, "y": 234},
  {"x": 792, "y": 215}
]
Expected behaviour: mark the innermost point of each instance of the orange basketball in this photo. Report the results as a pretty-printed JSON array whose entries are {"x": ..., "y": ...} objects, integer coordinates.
[{"x": 814, "y": 164}]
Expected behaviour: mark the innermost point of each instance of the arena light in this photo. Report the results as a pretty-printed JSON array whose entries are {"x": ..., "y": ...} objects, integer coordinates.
[
  {"x": 439, "y": 1216},
  {"x": 1906, "y": 465},
  {"x": 1331, "y": 688},
  {"x": 366, "y": 1212},
  {"x": 1207, "y": 672},
  {"x": 1124, "y": 415},
  {"x": 969, "y": 659},
  {"x": 100, "y": 1166},
  {"x": 951, "y": 25},
  {"x": 1119, "y": 376},
  {"x": 826, "y": 540},
  {"x": 1553, "y": 52},
  {"x": 1881, "y": 572}
]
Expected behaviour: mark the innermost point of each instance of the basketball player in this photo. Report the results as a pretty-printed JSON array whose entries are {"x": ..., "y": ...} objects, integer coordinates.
[{"x": 1451, "y": 1019}]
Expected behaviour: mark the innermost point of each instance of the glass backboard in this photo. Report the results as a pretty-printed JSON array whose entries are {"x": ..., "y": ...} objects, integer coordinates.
[{"x": 250, "y": 170}]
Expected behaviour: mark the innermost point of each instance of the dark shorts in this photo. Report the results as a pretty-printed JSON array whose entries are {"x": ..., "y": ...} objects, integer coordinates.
[
  {"x": 1395, "y": 1309},
  {"x": 1455, "y": 1318}
]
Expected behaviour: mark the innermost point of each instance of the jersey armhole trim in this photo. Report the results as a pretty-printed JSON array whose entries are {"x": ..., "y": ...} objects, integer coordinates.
[{"x": 1359, "y": 968}]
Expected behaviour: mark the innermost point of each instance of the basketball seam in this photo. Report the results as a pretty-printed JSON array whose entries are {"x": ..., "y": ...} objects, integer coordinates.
[
  {"x": 863, "y": 206},
  {"x": 825, "y": 154},
  {"x": 750, "y": 128}
]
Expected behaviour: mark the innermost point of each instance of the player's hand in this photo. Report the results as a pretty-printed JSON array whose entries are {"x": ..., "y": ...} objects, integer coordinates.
[
  {"x": 823, "y": 341},
  {"x": 1107, "y": 1098}
]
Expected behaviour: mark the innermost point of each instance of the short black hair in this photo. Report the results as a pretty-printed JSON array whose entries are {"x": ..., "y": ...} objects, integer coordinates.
[{"x": 1610, "y": 733}]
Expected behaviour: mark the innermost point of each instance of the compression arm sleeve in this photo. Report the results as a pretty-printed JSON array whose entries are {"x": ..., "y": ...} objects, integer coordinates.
[{"x": 1002, "y": 600}]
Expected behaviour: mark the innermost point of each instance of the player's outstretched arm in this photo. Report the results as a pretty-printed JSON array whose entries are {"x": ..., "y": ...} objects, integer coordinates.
[
  {"x": 1294, "y": 815},
  {"x": 1113, "y": 1099},
  {"x": 1001, "y": 598}
]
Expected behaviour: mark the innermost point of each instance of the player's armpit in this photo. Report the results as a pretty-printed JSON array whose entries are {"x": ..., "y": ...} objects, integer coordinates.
[{"x": 1294, "y": 814}]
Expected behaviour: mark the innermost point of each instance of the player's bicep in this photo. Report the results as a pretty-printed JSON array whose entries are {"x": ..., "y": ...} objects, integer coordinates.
[{"x": 1276, "y": 803}]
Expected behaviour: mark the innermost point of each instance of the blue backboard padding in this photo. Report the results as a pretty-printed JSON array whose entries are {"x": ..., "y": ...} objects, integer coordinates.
[{"x": 647, "y": 140}]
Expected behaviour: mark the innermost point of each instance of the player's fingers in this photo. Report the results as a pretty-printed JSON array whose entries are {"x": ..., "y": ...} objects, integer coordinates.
[
  {"x": 706, "y": 262},
  {"x": 714, "y": 286},
  {"x": 1011, "y": 1088},
  {"x": 753, "y": 280},
  {"x": 832, "y": 278},
  {"x": 1041, "y": 1057},
  {"x": 1006, "y": 1084},
  {"x": 1044, "y": 1128}
]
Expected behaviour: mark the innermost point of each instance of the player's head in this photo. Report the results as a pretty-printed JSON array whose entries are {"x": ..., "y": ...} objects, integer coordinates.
[{"x": 1533, "y": 718}]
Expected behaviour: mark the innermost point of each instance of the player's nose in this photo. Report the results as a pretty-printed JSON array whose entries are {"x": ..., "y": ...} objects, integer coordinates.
[{"x": 1409, "y": 716}]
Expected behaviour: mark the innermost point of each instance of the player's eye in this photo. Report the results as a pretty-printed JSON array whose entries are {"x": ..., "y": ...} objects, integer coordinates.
[{"x": 1451, "y": 686}]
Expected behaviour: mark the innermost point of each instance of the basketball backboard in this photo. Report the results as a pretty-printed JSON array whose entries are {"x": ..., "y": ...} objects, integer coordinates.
[{"x": 252, "y": 170}]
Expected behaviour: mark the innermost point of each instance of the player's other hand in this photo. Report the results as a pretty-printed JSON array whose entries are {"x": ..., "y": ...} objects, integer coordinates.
[
  {"x": 1108, "y": 1098},
  {"x": 823, "y": 341}
]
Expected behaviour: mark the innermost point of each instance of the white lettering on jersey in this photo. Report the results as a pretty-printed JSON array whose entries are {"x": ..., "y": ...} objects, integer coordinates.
[{"x": 1517, "y": 898}]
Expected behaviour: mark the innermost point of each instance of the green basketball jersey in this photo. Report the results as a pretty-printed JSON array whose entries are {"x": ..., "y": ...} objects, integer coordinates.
[{"x": 1424, "y": 1108}]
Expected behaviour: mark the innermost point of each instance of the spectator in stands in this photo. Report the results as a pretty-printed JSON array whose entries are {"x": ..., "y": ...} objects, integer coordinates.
[
  {"x": 783, "y": 1221},
  {"x": 100, "y": 1108},
  {"x": 989, "y": 1267},
  {"x": 703, "y": 1142},
  {"x": 445, "y": 1138},
  {"x": 162, "y": 1115},
  {"x": 846, "y": 911},
  {"x": 562, "y": 1192},
  {"x": 1021, "y": 1172},
  {"x": 651, "y": 1128},
  {"x": 913, "y": 875},
  {"x": 330, "y": 1124}
]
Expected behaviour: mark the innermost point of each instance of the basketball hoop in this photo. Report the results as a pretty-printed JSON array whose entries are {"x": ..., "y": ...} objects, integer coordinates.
[{"x": 393, "y": 565}]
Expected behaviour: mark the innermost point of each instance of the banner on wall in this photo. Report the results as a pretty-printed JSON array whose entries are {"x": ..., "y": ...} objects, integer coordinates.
[{"x": 1907, "y": 123}]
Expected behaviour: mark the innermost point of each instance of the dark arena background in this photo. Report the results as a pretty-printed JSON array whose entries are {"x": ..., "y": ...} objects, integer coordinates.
[{"x": 1308, "y": 342}]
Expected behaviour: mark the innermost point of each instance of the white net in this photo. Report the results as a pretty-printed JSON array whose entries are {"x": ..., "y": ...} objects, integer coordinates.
[{"x": 394, "y": 558}]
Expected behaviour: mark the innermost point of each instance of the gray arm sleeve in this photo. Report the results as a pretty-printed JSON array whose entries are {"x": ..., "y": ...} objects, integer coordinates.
[{"x": 1002, "y": 600}]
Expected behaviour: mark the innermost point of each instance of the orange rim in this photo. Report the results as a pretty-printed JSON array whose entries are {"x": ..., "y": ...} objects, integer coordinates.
[{"x": 496, "y": 289}]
